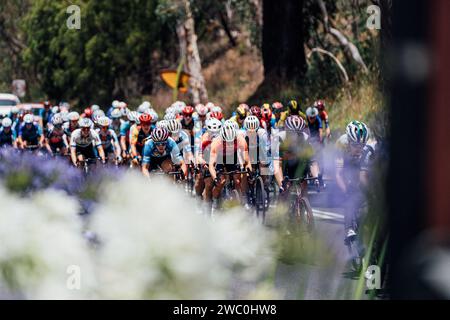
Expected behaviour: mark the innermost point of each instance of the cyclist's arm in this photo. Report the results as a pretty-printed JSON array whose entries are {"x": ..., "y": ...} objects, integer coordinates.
[
  {"x": 146, "y": 158},
  {"x": 244, "y": 151},
  {"x": 213, "y": 160},
  {"x": 116, "y": 144},
  {"x": 97, "y": 142},
  {"x": 133, "y": 141}
]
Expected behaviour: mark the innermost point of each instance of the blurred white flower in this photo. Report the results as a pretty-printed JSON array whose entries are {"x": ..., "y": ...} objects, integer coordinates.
[
  {"x": 40, "y": 238},
  {"x": 155, "y": 246}
]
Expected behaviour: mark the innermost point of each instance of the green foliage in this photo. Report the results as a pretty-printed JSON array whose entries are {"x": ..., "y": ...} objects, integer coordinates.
[{"x": 114, "y": 45}]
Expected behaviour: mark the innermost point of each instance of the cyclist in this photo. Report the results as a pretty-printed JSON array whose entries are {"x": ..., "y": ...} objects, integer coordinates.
[
  {"x": 279, "y": 114},
  {"x": 292, "y": 153},
  {"x": 314, "y": 124},
  {"x": 320, "y": 105},
  {"x": 116, "y": 116},
  {"x": 133, "y": 118},
  {"x": 295, "y": 110},
  {"x": 46, "y": 114},
  {"x": 229, "y": 152},
  {"x": 72, "y": 124},
  {"x": 85, "y": 143},
  {"x": 7, "y": 134},
  {"x": 30, "y": 134},
  {"x": 256, "y": 111},
  {"x": 203, "y": 180},
  {"x": 55, "y": 139},
  {"x": 108, "y": 137},
  {"x": 355, "y": 152},
  {"x": 138, "y": 136},
  {"x": 181, "y": 139},
  {"x": 187, "y": 122},
  {"x": 240, "y": 115},
  {"x": 161, "y": 151}
]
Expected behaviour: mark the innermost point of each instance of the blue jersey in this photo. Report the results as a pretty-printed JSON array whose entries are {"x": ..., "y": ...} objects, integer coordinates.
[
  {"x": 7, "y": 138},
  {"x": 124, "y": 128},
  {"x": 314, "y": 127},
  {"x": 150, "y": 151},
  {"x": 183, "y": 142},
  {"x": 46, "y": 116},
  {"x": 31, "y": 134}
]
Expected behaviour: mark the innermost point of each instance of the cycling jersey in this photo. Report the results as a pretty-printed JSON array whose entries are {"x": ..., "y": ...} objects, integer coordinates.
[
  {"x": 151, "y": 152},
  {"x": 7, "y": 138},
  {"x": 314, "y": 127},
  {"x": 227, "y": 152},
  {"x": 55, "y": 137},
  {"x": 30, "y": 134},
  {"x": 324, "y": 117},
  {"x": 106, "y": 137},
  {"x": 138, "y": 137},
  {"x": 46, "y": 115},
  {"x": 257, "y": 143},
  {"x": 78, "y": 140},
  {"x": 183, "y": 142},
  {"x": 359, "y": 160},
  {"x": 235, "y": 119}
]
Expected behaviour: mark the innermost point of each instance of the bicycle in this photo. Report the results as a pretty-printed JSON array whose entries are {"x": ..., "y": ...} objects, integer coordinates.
[
  {"x": 300, "y": 210},
  {"x": 258, "y": 194},
  {"x": 86, "y": 164},
  {"x": 355, "y": 244},
  {"x": 229, "y": 191}
]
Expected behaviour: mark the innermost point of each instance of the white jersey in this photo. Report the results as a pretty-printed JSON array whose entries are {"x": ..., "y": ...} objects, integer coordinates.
[
  {"x": 258, "y": 144},
  {"x": 78, "y": 140}
]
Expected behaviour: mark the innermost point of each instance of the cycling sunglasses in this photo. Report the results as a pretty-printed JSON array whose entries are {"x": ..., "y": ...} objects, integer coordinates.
[{"x": 160, "y": 144}]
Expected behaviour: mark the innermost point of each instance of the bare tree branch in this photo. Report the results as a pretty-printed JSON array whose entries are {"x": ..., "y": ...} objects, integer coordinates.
[{"x": 333, "y": 57}]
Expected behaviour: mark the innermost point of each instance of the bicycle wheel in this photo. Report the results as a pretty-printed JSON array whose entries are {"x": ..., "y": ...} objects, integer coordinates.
[
  {"x": 307, "y": 214},
  {"x": 260, "y": 199}
]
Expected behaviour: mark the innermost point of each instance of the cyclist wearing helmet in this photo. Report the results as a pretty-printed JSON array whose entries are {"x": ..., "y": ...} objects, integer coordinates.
[
  {"x": 85, "y": 143},
  {"x": 108, "y": 137},
  {"x": 267, "y": 120},
  {"x": 229, "y": 152},
  {"x": 240, "y": 115},
  {"x": 30, "y": 134},
  {"x": 292, "y": 153},
  {"x": 161, "y": 151},
  {"x": 295, "y": 110},
  {"x": 55, "y": 139},
  {"x": 7, "y": 134},
  {"x": 320, "y": 105},
  {"x": 203, "y": 180},
  {"x": 124, "y": 134},
  {"x": 72, "y": 123},
  {"x": 256, "y": 111},
  {"x": 114, "y": 105},
  {"x": 355, "y": 152},
  {"x": 279, "y": 114},
  {"x": 14, "y": 116},
  {"x": 181, "y": 139},
  {"x": 314, "y": 124},
  {"x": 46, "y": 114},
  {"x": 116, "y": 122},
  {"x": 139, "y": 134}
]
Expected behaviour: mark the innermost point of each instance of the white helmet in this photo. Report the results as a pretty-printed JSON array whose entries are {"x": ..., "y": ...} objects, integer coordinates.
[
  {"x": 216, "y": 109},
  {"x": 57, "y": 119},
  {"x": 133, "y": 116},
  {"x": 312, "y": 112},
  {"x": 174, "y": 126},
  {"x": 7, "y": 122},
  {"x": 147, "y": 104},
  {"x": 116, "y": 113},
  {"x": 64, "y": 115},
  {"x": 142, "y": 108},
  {"x": 55, "y": 109},
  {"x": 73, "y": 116},
  {"x": 251, "y": 123},
  {"x": 95, "y": 107},
  {"x": 122, "y": 104},
  {"x": 115, "y": 104},
  {"x": 201, "y": 109},
  {"x": 169, "y": 116},
  {"x": 104, "y": 121},
  {"x": 15, "y": 110},
  {"x": 161, "y": 124},
  {"x": 210, "y": 105},
  {"x": 154, "y": 116},
  {"x": 357, "y": 132},
  {"x": 213, "y": 125},
  {"x": 28, "y": 118},
  {"x": 228, "y": 131},
  {"x": 233, "y": 123},
  {"x": 85, "y": 123},
  {"x": 98, "y": 113}
]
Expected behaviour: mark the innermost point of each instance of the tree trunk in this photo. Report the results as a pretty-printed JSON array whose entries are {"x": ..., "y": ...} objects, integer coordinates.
[
  {"x": 189, "y": 51},
  {"x": 282, "y": 40}
]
